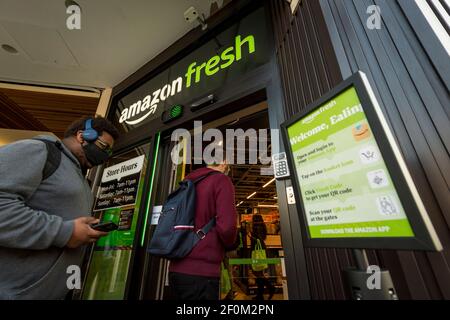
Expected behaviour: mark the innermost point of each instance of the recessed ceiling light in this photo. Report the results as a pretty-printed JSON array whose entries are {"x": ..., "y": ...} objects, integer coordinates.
[
  {"x": 9, "y": 49},
  {"x": 267, "y": 206}
]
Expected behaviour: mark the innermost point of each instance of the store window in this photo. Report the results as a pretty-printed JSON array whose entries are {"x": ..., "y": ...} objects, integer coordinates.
[{"x": 118, "y": 200}]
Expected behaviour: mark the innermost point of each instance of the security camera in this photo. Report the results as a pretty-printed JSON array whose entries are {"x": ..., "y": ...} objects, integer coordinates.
[{"x": 191, "y": 15}]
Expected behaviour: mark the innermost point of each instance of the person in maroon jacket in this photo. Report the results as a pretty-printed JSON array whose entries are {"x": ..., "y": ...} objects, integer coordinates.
[{"x": 197, "y": 276}]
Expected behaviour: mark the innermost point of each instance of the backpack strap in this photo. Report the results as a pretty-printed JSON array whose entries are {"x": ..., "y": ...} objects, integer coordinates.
[
  {"x": 201, "y": 233},
  {"x": 53, "y": 157}
]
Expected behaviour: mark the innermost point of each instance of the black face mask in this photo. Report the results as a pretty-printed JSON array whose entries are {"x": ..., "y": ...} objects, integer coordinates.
[{"x": 94, "y": 154}]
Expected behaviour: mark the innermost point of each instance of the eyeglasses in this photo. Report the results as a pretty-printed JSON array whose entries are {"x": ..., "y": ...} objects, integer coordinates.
[{"x": 104, "y": 146}]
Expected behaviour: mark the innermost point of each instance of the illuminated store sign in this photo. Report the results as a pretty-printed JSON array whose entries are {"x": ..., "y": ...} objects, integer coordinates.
[
  {"x": 223, "y": 60},
  {"x": 140, "y": 110}
]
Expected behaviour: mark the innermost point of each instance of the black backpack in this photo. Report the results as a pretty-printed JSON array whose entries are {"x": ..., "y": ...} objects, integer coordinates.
[
  {"x": 53, "y": 157},
  {"x": 175, "y": 235}
]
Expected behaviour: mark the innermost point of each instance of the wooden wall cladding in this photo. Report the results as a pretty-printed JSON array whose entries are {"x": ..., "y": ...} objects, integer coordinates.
[
  {"x": 44, "y": 111},
  {"x": 327, "y": 41}
]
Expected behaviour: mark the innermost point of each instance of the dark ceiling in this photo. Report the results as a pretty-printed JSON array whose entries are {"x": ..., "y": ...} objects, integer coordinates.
[{"x": 43, "y": 111}]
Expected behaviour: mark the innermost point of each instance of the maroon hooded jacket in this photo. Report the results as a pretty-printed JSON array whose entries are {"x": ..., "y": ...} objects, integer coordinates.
[{"x": 214, "y": 198}]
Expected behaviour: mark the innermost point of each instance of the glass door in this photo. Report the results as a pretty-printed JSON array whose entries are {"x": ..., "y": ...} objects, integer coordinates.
[
  {"x": 118, "y": 200},
  {"x": 171, "y": 168},
  {"x": 244, "y": 277}
]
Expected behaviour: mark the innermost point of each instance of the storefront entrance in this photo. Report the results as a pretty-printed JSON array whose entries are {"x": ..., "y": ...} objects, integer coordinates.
[{"x": 246, "y": 96}]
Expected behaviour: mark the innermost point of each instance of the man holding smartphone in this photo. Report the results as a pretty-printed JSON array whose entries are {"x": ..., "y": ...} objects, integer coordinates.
[{"x": 45, "y": 207}]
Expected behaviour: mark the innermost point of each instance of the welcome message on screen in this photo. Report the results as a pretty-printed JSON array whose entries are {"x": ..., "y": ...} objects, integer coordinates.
[{"x": 344, "y": 182}]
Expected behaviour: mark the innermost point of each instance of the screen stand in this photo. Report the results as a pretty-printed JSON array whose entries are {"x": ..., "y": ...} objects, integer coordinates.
[{"x": 366, "y": 282}]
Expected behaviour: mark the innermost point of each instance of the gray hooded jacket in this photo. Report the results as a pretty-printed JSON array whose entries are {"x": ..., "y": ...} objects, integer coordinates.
[{"x": 36, "y": 220}]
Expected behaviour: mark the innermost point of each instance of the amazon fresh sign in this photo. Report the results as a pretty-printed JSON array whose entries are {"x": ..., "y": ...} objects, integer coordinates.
[{"x": 196, "y": 72}]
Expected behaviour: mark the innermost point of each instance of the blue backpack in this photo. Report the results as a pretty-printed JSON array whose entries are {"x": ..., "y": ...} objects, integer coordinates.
[{"x": 174, "y": 236}]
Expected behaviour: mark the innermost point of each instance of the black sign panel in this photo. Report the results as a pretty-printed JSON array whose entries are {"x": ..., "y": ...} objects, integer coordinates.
[
  {"x": 118, "y": 193},
  {"x": 226, "y": 58}
]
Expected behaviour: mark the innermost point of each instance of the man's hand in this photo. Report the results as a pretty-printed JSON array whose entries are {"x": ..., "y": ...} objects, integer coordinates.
[{"x": 83, "y": 233}]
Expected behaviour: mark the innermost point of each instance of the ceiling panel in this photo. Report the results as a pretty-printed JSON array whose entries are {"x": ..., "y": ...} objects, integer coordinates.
[
  {"x": 34, "y": 41},
  {"x": 116, "y": 38}
]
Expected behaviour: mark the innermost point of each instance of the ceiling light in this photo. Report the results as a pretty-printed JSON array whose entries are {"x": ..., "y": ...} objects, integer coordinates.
[
  {"x": 240, "y": 203},
  {"x": 251, "y": 195},
  {"x": 267, "y": 206},
  {"x": 9, "y": 49},
  {"x": 269, "y": 183},
  {"x": 233, "y": 122}
]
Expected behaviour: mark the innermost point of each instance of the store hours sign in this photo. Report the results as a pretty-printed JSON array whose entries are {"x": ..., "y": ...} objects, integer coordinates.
[{"x": 119, "y": 184}]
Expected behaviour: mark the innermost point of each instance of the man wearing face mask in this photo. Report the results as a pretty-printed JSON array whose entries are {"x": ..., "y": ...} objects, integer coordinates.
[
  {"x": 45, "y": 208},
  {"x": 197, "y": 276}
]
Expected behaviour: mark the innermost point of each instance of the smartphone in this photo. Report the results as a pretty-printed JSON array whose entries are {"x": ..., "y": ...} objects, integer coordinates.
[{"x": 105, "y": 226}]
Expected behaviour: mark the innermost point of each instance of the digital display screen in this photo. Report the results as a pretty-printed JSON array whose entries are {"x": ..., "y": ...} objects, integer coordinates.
[{"x": 345, "y": 185}]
